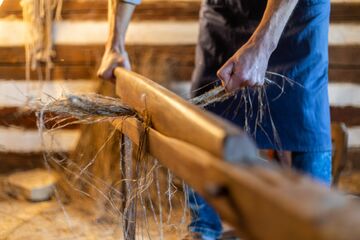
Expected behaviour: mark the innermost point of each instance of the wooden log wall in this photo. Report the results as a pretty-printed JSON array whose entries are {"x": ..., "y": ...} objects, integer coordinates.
[{"x": 79, "y": 39}]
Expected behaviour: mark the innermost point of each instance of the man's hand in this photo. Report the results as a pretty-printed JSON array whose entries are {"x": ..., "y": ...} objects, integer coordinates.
[
  {"x": 115, "y": 55},
  {"x": 110, "y": 60},
  {"x": 247, "y": 67}
]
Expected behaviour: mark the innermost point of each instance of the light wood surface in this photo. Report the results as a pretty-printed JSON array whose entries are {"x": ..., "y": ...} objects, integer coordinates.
[
  {"x": 261, "y": 201},
  {"x": 175, "y": 117}
]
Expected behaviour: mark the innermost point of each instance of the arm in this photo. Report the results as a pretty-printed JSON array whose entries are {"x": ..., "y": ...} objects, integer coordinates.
[
  {"x": 119, "y": 15},
  {"x": 247, "y": 67}
]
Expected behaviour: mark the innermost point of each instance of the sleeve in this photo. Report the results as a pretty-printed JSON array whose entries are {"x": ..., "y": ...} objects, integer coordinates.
[{"x": 135, "y": 2}]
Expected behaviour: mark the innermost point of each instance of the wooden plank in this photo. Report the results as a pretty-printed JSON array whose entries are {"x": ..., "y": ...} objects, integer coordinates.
[
  {"x": 24, "y": 118},
  {"x": 347, "y": 55},
  {"x": 161, "y": 73},
  {"x": 345, "y": 11},
  {"x": 197, "y": 126},
  {"x": 257, "y": 200},
  {"x": 11, "y": 162},
  {"x": 341, "y": 11},
  {"x": 344, "y": 74},
  {"x": 97, "y": 10},
  {"x": 167, "y": 61},
  {"x": 353, "y": 158},
  {"x": 65, "y": 72},
  {"x": 344, "y": 55},
  {"x": 348, "y": 115}
]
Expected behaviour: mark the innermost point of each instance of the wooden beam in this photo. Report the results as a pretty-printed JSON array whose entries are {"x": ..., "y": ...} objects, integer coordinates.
[
  {"x": 353, "y": 158},
  {"x": 72, "y": 62},
  {"x": 341, "y": 11},
  {"x": 97, "y": 10},
  {"x": 345, "y": 11},
  {"x": 167, "y": 62},
  {"x": 348, "y": 115},
  {"x": 344, "y": 55},
  {"x": 64, "y": 72},
  {"x": 339, "y": 55},
  {"x": 20, "y": 161},
  {"x": 24, "y": 118},
  {"x": 174, "y": 117},
  {"x": 344, "y": 74},
  {"x": 262, "y": 202}
]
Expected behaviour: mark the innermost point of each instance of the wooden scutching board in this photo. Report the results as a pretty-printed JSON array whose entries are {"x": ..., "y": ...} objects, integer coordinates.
[
  {"x": 262, "y": 201},
  {"x": 174, "y": 117}
]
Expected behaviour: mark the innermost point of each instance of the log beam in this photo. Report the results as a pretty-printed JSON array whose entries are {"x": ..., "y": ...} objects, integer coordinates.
[
  {"x": 174, "y": 117},
  {"x": 260, "y": 201}
]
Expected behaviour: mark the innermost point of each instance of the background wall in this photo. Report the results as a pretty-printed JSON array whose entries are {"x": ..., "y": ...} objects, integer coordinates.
[{"x": 161, "y": 44}]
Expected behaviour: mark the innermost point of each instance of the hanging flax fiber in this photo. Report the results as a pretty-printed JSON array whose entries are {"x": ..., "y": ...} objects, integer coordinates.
[
  {"x": 39, "y": 15},
  {"x": 123, "y": 185}
]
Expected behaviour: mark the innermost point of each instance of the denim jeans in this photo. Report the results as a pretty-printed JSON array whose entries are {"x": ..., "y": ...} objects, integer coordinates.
[{"x": 207, "y": 222}]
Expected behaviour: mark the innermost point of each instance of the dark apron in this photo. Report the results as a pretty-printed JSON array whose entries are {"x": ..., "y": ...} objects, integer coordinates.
[{"x": 300, "y": 114}]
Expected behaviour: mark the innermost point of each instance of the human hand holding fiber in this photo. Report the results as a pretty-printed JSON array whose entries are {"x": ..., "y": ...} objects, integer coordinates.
[{"x": 247, "y": 67}]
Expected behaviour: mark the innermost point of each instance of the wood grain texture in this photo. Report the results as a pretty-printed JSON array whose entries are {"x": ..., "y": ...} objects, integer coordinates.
[
  {"x": 348, "y": 115},
  {"x": 159, "y": 62},
  {"x": 97, "y": 10},
  {"x": 346, "y": 74},
  {"x": 76, "y": 62},
  {"x": 347, "y": 55},
  {"x": 341, "y": 11},
  {"x": 166, "y": 110},
  {"x": 353, "y": 158},
  {"x": 63, "y": 72},
  {"x": 17, "y": 117},
  {"x": 259, "y": 200},
  {"x": 345, "y": 11},
  {"x": 20, "y": 161}
]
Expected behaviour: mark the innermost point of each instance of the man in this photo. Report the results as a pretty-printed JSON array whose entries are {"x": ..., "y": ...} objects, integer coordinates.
[{"x": 239, "y": 41}]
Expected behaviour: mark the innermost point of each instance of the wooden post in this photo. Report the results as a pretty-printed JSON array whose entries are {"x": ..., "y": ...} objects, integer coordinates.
[{"x": 127, "y": 163}]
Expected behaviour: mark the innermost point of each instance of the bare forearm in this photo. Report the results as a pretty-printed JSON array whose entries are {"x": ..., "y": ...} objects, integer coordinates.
[
  {"x": 247, "y": 67},
  {"x": 119, "y": 15},
  {"x": 271, "y": 27}
]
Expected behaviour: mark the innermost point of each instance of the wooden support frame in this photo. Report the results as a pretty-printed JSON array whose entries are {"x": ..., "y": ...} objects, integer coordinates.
[
  {"x": 262, "y": 201},
  {"x": 174, "y": 117}
]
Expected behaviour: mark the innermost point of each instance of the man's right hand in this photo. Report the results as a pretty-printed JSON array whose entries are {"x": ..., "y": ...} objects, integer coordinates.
[{"x": 111, "y": 60}]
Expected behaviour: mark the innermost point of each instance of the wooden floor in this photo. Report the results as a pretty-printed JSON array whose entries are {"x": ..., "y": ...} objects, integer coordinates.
[{"x": 22, "y": 220}]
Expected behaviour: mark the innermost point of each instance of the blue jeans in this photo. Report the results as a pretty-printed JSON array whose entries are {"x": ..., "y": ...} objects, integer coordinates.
[{"x": 207, "y": 222}]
